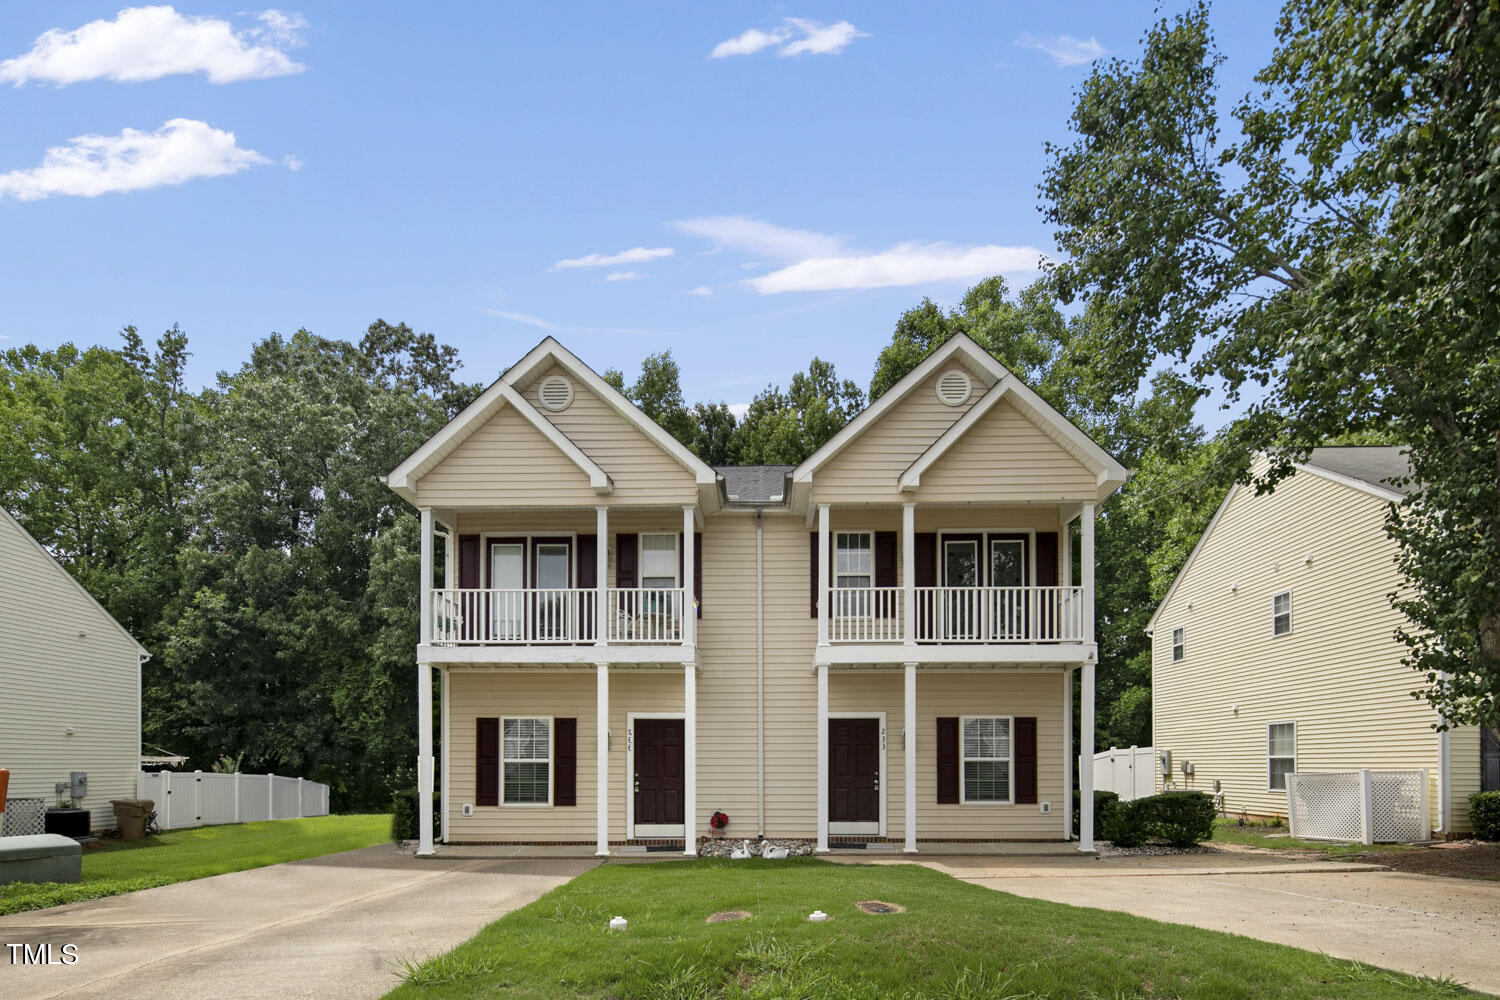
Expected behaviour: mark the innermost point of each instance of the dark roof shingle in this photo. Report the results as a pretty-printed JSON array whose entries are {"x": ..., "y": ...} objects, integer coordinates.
[{"x": 755, "y": 483}]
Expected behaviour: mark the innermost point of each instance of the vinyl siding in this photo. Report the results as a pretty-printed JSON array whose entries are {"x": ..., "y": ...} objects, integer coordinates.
[
  {"x": 1005, "y": 457},
  {"x": 867, "y": 469},
  {"x": 640, "y": 470},
  {"x": 506, "y": 461},
  {"x": 54, "y": 678},
  {"x": 1338, "y": 675},
  {"x": 1464, "y": 774}
]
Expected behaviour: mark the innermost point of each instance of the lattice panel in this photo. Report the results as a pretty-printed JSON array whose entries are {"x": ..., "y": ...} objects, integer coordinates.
[
  {"x": 1398, "y": 801},
  {"x": 1325, "y": 806},
  {"x": 24, "y": 817}
]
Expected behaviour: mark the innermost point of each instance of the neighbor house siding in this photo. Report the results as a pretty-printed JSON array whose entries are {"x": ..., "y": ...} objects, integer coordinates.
[
  {"x": 1464, "y": 774},
  {"x": 641, "y": 471},
  {"x": 1338, "y": 675},
  {"x": 64, "y": 664},
  {"x": 506, "y": 461}
]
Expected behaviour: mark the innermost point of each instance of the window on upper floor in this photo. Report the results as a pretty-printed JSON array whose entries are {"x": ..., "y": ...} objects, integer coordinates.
[
  {"x": 1179, "y": 644},
  {"x": 853, "y": 559},
  {"x": 1281, "y": 754},
  {"x": 659, "y": 560},
  {"x": 1281, "y": 613}
]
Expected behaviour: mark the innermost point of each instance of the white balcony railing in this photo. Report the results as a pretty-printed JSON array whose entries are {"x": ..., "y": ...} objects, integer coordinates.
[
  {"x": 865, "y": 614},
  {"x": 974, "y": 615},
  {"x": 999, "y": 614},
  {"x": 527, "y": 617}
]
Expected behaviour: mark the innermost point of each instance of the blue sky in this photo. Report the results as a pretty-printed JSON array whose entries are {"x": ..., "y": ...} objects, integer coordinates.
[{"x": 781, "y": 180}]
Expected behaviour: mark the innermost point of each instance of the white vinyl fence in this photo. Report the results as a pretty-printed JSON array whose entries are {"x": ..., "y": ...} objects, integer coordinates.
[
  {"x": 1130, "y": 774},
  {"x": 1368, "y": 807},
  {"x": 198, "y": 798}
]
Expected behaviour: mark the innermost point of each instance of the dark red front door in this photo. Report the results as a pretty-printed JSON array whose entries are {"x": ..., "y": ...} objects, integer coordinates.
[
  {"x": 854, "y": 778},
  {"x": 658, "y": 771}
]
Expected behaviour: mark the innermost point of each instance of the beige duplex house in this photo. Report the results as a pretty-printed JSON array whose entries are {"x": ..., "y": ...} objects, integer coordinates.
[
  {"x": 1274, "y": 651},
  {"x": 875, "y": 645}
]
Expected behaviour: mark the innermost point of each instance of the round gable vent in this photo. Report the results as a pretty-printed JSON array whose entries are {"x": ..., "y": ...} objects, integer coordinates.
[
  {"x": 954, "y": 387},
  {"x": 555, "y": 392}
]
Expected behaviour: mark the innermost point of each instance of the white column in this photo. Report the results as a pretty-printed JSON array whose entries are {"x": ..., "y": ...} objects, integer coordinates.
[
  {"x": 424, "y": 759},
  {"x": 450, "y": 560},
  {"x": 445, "y": 734},
  {"x": 823, "y": 577},
  {"x": 1086, "y": 693},
  {"x": 822, "y": 847},
  {"x": 425, "y": 589},
  {"x": 601, "y": 576},
  {"x": 690, "y": 760},
  {"x": 601, "y": 758},
  {"x": 909, "y": 573},
  {"x": 1067, "y": 707},
  {"x": 909, "y": 745},
  {"x": 690, "y": 612},
  {"x": 236, "y": 796}
]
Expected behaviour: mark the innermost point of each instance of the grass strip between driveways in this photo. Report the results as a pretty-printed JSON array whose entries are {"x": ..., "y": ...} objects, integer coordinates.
[
  {"x": 955, "y": 940},
  {"x": 183, "y": 855},
  {"x": 1277, "y": 838}
]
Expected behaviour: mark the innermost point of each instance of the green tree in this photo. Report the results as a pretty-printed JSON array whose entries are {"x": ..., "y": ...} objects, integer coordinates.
[
  {"x": 658, "y": 392},
  {"x": 785, "y": 427},
  {"x": 713, "y": 437},
  {"x": 1342, "y": 253}
]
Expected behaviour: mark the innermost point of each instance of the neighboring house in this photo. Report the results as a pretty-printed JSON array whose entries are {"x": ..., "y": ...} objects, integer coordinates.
[
  {"x": 1274, "y": 650},
  {"x": 70, "y": 683},
  {"x": 883, "y": 640}
]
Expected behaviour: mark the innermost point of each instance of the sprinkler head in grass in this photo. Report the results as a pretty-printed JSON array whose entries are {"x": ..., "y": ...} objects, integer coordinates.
[
  {"x": 817, "y": 916},
  {"x": 618, "y": 924}
]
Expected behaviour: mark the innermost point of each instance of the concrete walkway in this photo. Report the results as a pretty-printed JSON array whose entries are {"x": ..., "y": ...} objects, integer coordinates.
[
  {"x": 1441, "y": 927},
  {"x": 331, "y": 927}
]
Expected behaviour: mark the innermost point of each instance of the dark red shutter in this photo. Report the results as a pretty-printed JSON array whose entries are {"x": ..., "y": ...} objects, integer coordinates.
[
  {"x": 565, "y": 762},
  {"x": 1046, "y": 558},
  {"x": 1025, "y": 747},
  {"x": 626, "y": 547},
  {"x": 468, "y": 561},
  {"x": 947, "y": 761},
  {"x": 698, "y": 570},
  {"x": 885, "y": 572},
  {"x": 812, "y": 568},
  {"x": 924, "y": 546},
  {"x": 487, "y": 762},
  {"x": 588, "y": 579}
]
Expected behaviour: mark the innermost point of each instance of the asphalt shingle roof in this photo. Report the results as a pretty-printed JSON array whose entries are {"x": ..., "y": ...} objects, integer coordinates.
[
  {"x": 755, "y": 483},
  {"x": 1378, "y": 465}
]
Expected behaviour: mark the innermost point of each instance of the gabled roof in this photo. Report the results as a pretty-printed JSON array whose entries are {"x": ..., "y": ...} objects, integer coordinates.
[
  {"x": 505, "y": 392},
  {"x": 755, "y": 483},
  {"x": 458, "y": 430},
  {"x": 58, "y": 567},
  {"x": 962, "y": 348},
  {"x": 1362, "y": 468}
]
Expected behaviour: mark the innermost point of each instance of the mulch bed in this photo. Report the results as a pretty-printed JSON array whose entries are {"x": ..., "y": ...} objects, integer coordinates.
[{"x": 1460, "y": 859}]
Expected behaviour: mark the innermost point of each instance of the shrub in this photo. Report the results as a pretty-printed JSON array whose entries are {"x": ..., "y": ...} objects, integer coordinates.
[
  {"x": 1127, "y": 824},
  {"x": 1182, "y": 819},
  {"x": 1104, "y": 804},
  {"x": 1484, "y": 813},
  {"x": 404, "y": 815}
]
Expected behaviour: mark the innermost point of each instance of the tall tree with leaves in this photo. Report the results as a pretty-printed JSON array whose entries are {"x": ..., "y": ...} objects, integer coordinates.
[
  {"x": 784, "y": 427},
  {"x": 1342, "y": 252}
]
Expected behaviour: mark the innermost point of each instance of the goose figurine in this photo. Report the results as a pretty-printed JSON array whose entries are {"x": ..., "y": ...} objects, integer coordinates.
[
  {"x": 771, "y": 853},
  {"x": 742, "y": 852}
]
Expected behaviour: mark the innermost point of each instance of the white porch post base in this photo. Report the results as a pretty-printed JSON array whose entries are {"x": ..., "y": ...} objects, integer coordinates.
[
  {"x": 822, "y": 847},
  {"x": 690, "y": 759},
  {"x": 909, "y": 764},
  {"x": 601, "y": 735}
]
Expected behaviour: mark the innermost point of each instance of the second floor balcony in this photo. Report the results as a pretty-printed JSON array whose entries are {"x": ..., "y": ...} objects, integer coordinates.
[
  {"x": 956, "y": 615},
  {"x": 559, "y": 616}
]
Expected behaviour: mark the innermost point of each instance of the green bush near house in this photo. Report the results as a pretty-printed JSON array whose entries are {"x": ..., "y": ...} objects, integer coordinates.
[
  {"x": 1182, "y": 819},
  {"x": 1128, "y": 824},
  {"x": 1484, "y": 813},
  {"x": 1104, "y": 804},
  {"x": 404, "y": 815}
]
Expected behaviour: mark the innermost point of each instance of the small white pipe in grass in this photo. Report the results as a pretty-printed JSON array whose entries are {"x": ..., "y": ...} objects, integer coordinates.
[{"x": 618, "y": 924}]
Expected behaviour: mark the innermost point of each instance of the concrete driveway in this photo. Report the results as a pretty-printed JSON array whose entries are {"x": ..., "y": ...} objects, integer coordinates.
[
  {"x": 336, "y": 926},
  {"x": 1413, "y": 923}
]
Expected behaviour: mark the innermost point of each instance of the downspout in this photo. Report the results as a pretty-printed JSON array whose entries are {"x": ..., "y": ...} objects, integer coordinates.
[
  {"x": 1445, "y": 773},
  {"x": 760, "y": 676}
]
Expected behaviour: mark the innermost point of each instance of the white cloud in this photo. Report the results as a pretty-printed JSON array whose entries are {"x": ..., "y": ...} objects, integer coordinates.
[
  {"x": 623, "y": 276},
  {"x": 542, "y": 324},
  {"x": 521, "y": 318},
  {"x": 147, "y": 43},
  {"x": 635, "y": 255},
  {"x": 90, "y": 165},
  {"x": 905, "y": 264},
  {"x": 1065, "y": 50},
  {"x": 292, "y": 163},
  {"x": 741, "y": 232},
  {"x": 703, "y": 290},
  {"x": 739, "y": 410},
  {"x": 795, "y": 36}
]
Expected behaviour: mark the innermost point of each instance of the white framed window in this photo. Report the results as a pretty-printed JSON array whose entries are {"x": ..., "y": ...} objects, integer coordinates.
[
  {"x": 1179, "y": 644},
  {"x": 986, "y": 750},
  {"x": 1281, "y": 754},
  {"x": 1281, "y": 613},
  {"x": 659, "y": 560},
  {"x": 854, "y": 566},
  {"x": 525, "y": 761}
]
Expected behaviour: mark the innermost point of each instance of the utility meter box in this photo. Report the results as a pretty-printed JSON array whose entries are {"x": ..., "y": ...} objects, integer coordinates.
[
  {"x": 1166, "y": 763},
  {"x": 78, "y": 785}
]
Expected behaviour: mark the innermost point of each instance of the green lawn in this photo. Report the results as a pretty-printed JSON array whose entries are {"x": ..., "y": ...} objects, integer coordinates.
[
  {"x": 956, "y": 940},
  {"x": 182, "y": 855},
  {"x": 1277, "y": 838}
]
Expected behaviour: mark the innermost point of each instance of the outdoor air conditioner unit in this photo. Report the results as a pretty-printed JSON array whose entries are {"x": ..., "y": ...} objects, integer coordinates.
[{"x": 1166, "y": 763}]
